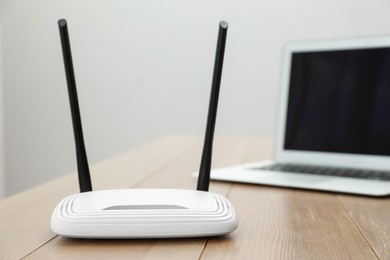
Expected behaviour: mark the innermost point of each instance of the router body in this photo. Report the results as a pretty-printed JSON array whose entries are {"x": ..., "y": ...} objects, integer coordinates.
[{"x": 144, "y": 213}]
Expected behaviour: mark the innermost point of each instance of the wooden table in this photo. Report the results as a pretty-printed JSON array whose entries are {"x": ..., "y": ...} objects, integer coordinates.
[{"x": 275, "y": 223}]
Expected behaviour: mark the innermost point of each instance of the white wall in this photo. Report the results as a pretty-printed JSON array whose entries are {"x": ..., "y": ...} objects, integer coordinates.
[
  {"x": 144, "y": 70},
  {"x": 2, "y": 166}
]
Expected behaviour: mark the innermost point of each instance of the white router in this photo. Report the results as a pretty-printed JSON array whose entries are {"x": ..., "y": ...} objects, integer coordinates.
[{"x": 143, "y": 213}]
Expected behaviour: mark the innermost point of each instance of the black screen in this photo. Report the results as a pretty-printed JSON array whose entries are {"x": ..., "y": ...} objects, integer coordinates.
[{"x": 339, "y": 101}]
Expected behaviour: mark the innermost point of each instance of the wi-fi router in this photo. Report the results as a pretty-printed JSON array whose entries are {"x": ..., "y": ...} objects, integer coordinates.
[{"x": 143, "y": 213}]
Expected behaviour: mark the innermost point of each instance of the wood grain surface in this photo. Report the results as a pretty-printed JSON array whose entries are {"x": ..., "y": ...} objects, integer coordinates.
[{"x": 275, "y": 223}]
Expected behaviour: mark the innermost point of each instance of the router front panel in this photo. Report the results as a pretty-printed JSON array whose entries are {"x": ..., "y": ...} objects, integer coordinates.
[
  {"x": 142, "y": 213},
  {"x": 142, "y": 198}
]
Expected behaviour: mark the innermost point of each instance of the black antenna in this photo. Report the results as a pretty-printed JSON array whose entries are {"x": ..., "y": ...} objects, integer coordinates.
[
  {"x": 205, "y": 165},
  {"x": 82, "y": 161}
]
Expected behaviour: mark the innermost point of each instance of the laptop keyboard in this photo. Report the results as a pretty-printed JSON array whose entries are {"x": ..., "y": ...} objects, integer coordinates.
[{"x": 330, "y": 171}]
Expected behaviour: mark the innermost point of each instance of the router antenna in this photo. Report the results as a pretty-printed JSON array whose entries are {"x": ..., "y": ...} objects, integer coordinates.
[
  {"x": 205, "y": 165},
  {"x": 82, "y": 161}
]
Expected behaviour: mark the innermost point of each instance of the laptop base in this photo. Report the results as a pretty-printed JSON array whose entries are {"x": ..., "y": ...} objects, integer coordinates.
[{"x": 250, "y": 173}]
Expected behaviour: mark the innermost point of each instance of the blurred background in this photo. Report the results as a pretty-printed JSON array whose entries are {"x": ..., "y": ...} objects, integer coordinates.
[{"x": 143, "y": 71}]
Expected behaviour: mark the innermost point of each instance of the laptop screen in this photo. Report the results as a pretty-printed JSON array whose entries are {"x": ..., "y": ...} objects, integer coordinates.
[{"x": 339, "y": 102}]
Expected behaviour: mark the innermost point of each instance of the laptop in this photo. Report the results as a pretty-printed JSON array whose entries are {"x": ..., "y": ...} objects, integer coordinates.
[{"x": 333, "y": 126}]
